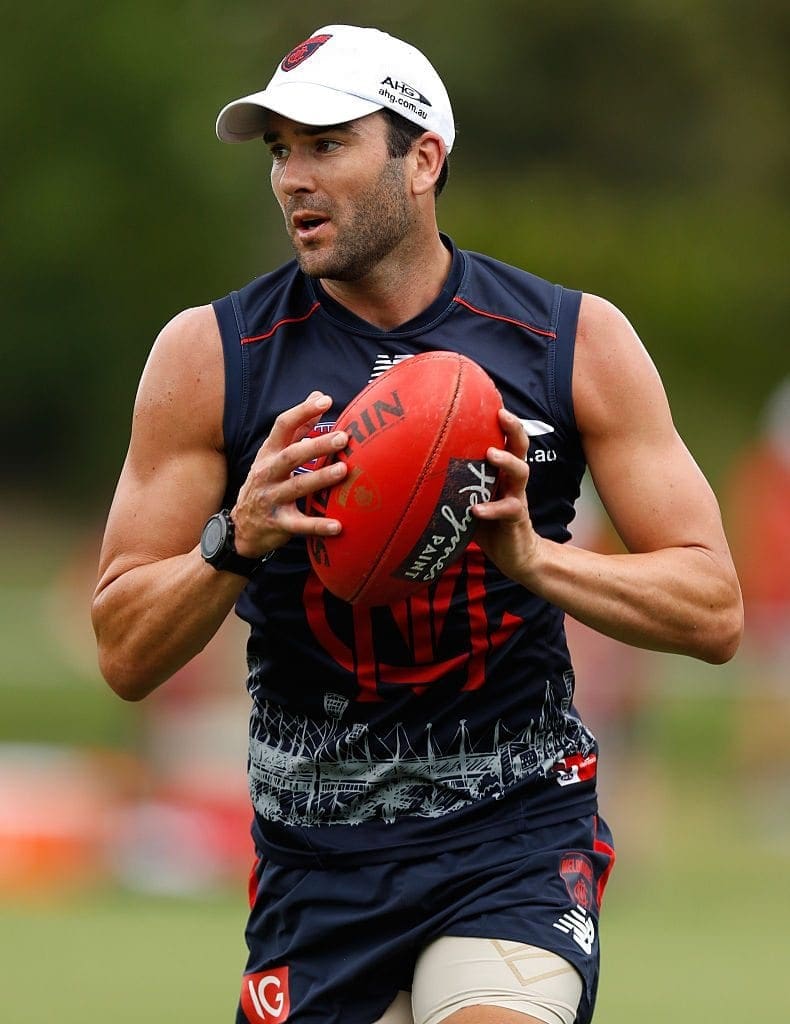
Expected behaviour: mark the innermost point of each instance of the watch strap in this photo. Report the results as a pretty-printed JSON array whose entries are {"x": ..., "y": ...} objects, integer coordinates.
[{"x": 227, "y": 558}]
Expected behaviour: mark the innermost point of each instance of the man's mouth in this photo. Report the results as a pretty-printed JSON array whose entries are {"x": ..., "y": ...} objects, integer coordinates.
[{"x": 306, "y": 226}]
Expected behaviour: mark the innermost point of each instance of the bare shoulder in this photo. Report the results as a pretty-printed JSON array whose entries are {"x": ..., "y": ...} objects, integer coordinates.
[
  {"x": 650, "y": 484},
  {"x": 616, "y": 385},
  {"x": 174, "y": 473},
  {"x": 183, "y": 382}
]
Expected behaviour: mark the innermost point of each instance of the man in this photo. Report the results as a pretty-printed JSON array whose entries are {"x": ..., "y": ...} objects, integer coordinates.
[{"x": 428, "y": 843}]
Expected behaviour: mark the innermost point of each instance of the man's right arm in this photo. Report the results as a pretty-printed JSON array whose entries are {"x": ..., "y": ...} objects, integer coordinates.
[{"x": 157, "y": 603}]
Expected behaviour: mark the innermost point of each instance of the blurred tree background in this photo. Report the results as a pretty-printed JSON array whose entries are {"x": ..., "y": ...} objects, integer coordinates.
[{"x": 634, "y": 148}]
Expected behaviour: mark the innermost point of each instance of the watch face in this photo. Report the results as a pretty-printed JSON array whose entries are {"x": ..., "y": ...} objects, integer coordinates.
[{"x": 213, "y": 539}]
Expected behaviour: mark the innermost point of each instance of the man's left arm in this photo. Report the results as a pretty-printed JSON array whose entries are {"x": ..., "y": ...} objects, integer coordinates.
[{"x": 676, "y": 588}]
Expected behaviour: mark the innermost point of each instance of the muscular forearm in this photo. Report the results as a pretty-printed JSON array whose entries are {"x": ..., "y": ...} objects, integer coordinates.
[
  {"x": 152, "y": 619},
  {"x": 679, "y": 600}
]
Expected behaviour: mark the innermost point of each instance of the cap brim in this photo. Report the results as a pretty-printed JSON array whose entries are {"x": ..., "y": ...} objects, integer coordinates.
[{"x": 245, "y": 118}]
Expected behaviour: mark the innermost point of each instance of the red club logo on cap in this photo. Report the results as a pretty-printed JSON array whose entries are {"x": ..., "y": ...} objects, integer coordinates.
[{"x": 303, "y": 51}]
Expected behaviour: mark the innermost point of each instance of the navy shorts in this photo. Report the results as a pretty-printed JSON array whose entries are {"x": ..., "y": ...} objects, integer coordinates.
[{"x": 334, "y": 946}]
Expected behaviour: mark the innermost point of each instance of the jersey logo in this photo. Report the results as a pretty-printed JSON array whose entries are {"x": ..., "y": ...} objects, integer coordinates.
[
  {"x": 301, "y": 52},
  {"x": 575, "y": 768},
  {"x": 384, "y": 362},
  {"x": 264, "y": 996},
  {"x": 537, "y": 428},
  {"x": 420, "y": 621},
  {"x": 317, "y": 431},
  {"x": 534, "y": 428}
]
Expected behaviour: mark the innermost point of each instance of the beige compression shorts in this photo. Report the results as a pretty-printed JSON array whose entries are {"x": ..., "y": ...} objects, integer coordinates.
[{"x": 453, "y": 973}]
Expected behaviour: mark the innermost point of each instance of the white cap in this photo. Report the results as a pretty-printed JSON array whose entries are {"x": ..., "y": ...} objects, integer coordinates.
[{"x": 339, "y": 74}]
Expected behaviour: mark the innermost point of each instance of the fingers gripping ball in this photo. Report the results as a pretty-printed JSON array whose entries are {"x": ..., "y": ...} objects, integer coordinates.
[{"x": 418, "y": 436}]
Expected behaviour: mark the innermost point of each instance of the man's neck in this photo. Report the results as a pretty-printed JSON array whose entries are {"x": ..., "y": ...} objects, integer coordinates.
[{"x": 399, "y": 289}]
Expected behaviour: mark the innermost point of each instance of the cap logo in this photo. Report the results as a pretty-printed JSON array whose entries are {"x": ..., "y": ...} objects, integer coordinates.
[
  {"x": 303, "y": 51},
  {"x": 406, "y": 90}
]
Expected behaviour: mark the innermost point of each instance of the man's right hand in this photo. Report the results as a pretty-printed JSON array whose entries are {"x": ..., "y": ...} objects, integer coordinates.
[{"x": 266, "y": 514}]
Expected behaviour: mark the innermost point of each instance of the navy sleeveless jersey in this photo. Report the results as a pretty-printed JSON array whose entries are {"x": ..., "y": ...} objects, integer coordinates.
[{"x": 389, "y": 732}]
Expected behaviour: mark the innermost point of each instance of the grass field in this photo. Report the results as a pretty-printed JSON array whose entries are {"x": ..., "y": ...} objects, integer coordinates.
[
  {"x": 701, "y": 937},
  {"x": 122, "y": 958}
]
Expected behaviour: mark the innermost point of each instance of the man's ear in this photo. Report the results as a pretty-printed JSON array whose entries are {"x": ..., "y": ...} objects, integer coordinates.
[{"x": 427, "y": 156}]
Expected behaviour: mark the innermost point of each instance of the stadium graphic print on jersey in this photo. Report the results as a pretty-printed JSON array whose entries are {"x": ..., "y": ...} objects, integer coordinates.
[{"x": 308, "y": 773}]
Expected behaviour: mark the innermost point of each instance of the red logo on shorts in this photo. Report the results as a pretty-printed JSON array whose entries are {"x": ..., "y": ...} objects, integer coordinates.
[
  {"x": 264, "y": 996},
  {"x": 577, "y": 873},
  {"x": 302, "y": 52}
]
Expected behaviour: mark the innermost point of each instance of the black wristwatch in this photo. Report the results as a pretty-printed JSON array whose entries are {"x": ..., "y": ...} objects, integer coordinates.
[{"x": 218, "y": 548}]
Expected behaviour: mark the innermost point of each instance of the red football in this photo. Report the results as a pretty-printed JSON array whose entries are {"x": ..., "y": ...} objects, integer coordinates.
[{"x": 418, "y": 436}]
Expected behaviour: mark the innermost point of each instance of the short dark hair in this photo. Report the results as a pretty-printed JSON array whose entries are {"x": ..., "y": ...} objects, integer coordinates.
[{"x": 401, "y": 135}]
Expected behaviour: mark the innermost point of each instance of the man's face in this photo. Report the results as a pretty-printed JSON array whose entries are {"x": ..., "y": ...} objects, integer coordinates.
[{"x": 345, "y": 201}]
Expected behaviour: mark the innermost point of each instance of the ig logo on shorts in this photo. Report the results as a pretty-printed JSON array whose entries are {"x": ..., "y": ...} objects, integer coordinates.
[{"x": 264, "y": 996}]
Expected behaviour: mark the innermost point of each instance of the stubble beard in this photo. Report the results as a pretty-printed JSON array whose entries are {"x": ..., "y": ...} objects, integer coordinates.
[{"x": 381, "y": 221}]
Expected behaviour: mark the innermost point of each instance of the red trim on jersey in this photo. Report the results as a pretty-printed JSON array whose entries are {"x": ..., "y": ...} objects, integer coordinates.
[
  {"x": 506, "y": 319},
  {"x": 281, "y": 323}
]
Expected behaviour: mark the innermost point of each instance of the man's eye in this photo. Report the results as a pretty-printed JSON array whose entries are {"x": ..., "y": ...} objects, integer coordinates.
[
  {"x": 278, "y": 152},
  {"x": 327, "y": 145}
]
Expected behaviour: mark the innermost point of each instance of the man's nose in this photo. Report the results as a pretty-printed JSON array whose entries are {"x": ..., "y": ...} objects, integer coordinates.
[{"x": 297, "y": 174}]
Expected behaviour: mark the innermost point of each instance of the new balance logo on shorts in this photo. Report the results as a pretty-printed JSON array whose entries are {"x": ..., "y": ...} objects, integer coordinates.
[
  {"x": 578, "y": 924},
  {"x": 264, "y": 996}
]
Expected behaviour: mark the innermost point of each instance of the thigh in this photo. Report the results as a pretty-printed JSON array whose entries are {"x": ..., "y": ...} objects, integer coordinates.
[
  {"x": 458, "y": 972},
  {"x": 541, "y": 889}
]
